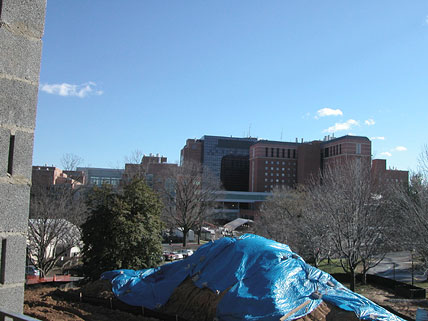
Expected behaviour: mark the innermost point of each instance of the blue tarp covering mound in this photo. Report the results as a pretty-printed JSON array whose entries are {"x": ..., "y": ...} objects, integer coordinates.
[{"x": 266, "y": 281}]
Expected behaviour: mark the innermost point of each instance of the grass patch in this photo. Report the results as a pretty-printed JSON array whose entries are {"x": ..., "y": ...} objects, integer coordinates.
[{"x": 332, "y": 267}]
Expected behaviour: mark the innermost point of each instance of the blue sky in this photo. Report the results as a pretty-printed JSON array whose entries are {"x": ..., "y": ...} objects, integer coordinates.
[{"x": 117, "y": 76}]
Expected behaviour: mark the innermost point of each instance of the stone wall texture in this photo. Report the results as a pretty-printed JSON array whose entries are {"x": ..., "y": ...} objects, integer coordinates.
[{"x": 21, "y": 30}]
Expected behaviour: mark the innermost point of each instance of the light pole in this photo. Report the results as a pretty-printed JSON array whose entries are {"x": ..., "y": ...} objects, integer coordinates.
[{"x": 413, "y": 268}]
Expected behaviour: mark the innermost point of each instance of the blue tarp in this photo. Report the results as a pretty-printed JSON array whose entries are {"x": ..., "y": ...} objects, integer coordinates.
[{"x": 266, "y": 280}]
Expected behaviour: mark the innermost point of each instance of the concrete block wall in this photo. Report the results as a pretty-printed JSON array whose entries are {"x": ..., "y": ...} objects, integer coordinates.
[{"x": 21, "y": 29}]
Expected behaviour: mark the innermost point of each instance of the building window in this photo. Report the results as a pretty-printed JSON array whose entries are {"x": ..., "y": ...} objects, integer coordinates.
[
  {"x": 358, "y": 148},
  {"x": 267, "y": 153},
  {"x": 266, "y": 168},
  {"x": 288, "y": 152},
  {"x": 277, "y": 168},
  {"x": 271, "y": 168},
  {"x": 271, "y": 152},
  {"x": 277, "y": 180},
  {"x": 266, "y": 162},
  {"x": 271, "y": 174},
  {"x": 271, "y": 162},
  {"x": 340, "y": 149},
  {"x": 282, "y": 174},
  {"x": 283, "y": 153},
  {"x": 266, "y": 179},
  {"x": 266, "y": 174},
  {"x": 294, "y": 153}
]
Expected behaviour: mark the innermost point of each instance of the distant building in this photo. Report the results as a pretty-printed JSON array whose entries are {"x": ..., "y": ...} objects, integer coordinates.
[
  {"x": 100, "y": 176},
  {"x": 46, "y": 176},
  {"x": 192, "y": 151},
  {"x": 154, "y": 169},
  {"x": 345, "y": 148},
  {"x": 234, "y": 172},
  {"x": 272, "y": 163},
  {"x": 285, "y": 164},
  {"x": 230, "y": 205},
  {"x": 382, "y": 176},
  {"x": 210, "y": 151}
]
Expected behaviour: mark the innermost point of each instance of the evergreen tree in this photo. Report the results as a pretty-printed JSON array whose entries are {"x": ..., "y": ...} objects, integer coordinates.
[{"x": 123, "y": 230}]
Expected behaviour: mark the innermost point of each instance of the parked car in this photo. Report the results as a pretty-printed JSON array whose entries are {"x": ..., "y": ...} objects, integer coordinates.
[
  {"x": 185, "y": 252},
  {"x": 178, "y": 255},
  {"x": 31, "y": 270},
  {"x": 169, "y": 256}
]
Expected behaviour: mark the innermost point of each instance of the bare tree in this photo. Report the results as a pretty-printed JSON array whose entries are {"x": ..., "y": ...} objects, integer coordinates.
[
  {"x": 188, "y": 194},
  {"x": 135, "y": 157},
  {"x": 352, "y": 214},
  {"x": 56, "y": 214},
  {"x": 287, "y": 218},
  {"x": 70, "y": 162},
  {"x": 412, "y": 201}
]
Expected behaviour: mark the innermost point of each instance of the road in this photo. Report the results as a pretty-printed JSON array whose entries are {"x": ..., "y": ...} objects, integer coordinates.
[{"x": 398, "y": 266}]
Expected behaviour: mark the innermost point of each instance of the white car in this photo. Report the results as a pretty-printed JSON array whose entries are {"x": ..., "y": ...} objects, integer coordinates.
[
  {"x": 186, "y": 252},
  {"x": 178, "y": 255}
]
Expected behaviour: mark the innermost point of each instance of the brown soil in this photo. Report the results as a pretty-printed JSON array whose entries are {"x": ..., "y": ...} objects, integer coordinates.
[
  {"x": 192, "y": 303},
  {"x": 44, "y": 303}
]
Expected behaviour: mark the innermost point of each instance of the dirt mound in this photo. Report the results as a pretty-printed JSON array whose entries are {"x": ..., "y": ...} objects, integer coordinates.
[
  {"x": 195, "y": 304},
  {"x": 328, "y": 312},
  {"x": 97, "y": 289},
  {"x": 192, "y": 303}
]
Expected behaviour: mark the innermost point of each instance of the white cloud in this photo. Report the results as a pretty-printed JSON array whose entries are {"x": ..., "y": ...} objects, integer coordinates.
[
  {"x": 400, "y": 149},
  {"x": 370, "y": 122},
  {"x": 377, "y": 138},
  {"x": 328, "y": 112},
  {"x": 65, "y": 89},
  {"x": 342, "y": 126},
  {"x": 386, "y": 154}
]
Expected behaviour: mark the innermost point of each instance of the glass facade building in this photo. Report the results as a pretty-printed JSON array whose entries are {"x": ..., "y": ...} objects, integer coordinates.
[{"x": 216, "y": 147}]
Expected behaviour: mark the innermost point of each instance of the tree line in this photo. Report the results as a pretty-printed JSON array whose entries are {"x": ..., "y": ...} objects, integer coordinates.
[{"x": 349, "y": 214}]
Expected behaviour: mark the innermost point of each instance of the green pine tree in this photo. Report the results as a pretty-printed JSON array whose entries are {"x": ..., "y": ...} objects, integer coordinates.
[{"x": 123, "y": 230}]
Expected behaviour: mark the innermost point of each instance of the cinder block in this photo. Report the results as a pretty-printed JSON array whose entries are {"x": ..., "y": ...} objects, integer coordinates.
[
  {"x": 23, "y": 154},
  {"x": 20, "y": 56},
  {"x": 14, "y": 207},
  {"x": 12, "y": 298},
  {"x": 4, "y": 150},
  {"x": 25, "y": 16},
  {"x": 15, "y": 253},
  {"x": 18, "y": 103}
]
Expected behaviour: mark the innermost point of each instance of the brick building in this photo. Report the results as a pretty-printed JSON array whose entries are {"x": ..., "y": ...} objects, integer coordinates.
[
  {"x": 381, "y": 175},
  {"x": 285, "y": 164},
  {"x": 154, "y": 168},
  {"x": 46, "y": 176},
  {"x": 192, "y": 151},
  {"x": 272, "y": 164}
]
